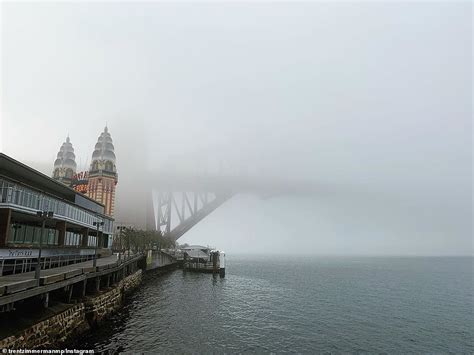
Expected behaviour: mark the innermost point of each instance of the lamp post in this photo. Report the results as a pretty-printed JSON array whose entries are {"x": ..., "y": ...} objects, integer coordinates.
[
  {"x": 128, "y": 240},
  {"x": 97, "y": 223},
  {"x": 44, "y": 215},
  {"x": 120, "y": 229}
]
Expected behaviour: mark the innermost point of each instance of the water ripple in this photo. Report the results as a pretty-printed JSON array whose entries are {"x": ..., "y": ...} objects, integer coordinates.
[{"x": 333, "y": 305}]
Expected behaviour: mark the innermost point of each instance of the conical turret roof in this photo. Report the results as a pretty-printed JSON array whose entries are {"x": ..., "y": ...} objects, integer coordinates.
[
  {"x": 66, "y": 157},
  {"x": 104, "y": 148}
]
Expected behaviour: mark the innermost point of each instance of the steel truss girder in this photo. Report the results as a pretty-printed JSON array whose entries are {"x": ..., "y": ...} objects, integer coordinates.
[{"x": 189, "y": 207}]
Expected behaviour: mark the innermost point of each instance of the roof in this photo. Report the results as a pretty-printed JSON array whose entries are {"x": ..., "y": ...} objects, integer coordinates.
[
  {"x": 15, "y": 170},
  {"x": 104, "y": 148},
  {"x": 66, "y": 157}
]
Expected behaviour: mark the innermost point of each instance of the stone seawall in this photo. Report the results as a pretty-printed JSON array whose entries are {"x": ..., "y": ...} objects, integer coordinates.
[
  {"x": 58, "y": 329},
  {"x": 50, "y": 332}
]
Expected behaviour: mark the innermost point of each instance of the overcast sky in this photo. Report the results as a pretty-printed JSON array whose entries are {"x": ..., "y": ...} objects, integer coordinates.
[{"x": 374, "y": 97}]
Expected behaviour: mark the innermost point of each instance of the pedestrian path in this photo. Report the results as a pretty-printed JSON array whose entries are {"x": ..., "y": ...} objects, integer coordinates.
[{"x": 20, "y": 282}]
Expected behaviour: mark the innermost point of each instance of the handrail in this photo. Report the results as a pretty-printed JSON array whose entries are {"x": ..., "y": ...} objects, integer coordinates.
[
  {"x": 26, "y": 264},
  {"x": 32, "y": 201}
]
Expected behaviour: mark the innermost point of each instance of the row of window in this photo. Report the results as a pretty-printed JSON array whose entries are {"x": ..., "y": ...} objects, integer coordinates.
[
  {"x": 19, "y": 195},
  {"x": 75, "y": 239},
  {"x": 26, "y": 234},
  {"x": 92, "y": 241},
  {"x": 109, "y": 166},
  {"x": 69, "y": 173},
  {"x": 72, "y": 238},
  {"x": 29, "y": 234}
]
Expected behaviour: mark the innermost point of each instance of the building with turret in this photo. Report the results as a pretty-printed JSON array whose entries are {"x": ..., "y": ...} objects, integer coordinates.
[
  {"x": 65, "y": 163},
  {"x": 99, "y": 182},
  {"x": 103, "y": 173}
]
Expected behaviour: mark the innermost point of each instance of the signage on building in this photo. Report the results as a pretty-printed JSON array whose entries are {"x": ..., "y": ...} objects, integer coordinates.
[
  {"x": 80, "y": 181},
  {"x": 33, "y": 253}
]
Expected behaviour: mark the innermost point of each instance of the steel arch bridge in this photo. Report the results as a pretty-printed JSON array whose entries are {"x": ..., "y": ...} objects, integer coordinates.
[{"x": 177, "y": 203}]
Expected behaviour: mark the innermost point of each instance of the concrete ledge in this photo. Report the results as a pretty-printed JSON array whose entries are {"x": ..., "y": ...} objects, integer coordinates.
[
  {"x": 33, "y": 291},
  {"x": 114, "y": 264},
  {"x": 72, "y": 273},
  {"x": 88, "y": 269},
  {"x": 17, "y": 285},
  {"x": 49, "y": 279}
]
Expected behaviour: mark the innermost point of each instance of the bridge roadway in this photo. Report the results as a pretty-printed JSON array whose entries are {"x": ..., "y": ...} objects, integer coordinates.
[
  {"x": 189, "y": 195},
  {"x": 21, "y": 286}
]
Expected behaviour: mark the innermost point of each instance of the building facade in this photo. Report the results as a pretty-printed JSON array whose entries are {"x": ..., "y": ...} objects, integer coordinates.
[
  {"x": 100, "y": 181},
  {"x": 71, "y": 227},
  {"x": 103, "y": 173}
]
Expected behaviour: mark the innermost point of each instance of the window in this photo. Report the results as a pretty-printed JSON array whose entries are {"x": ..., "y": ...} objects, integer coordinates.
[
  {"x": 36, "y": 234},
  {"x": 18, "y": 233},
  {"x": 11, "y": 234},
  {"x": 72, "y": 239},
  {"x": 29, "y": 234},
  {"x": 109, "y": 166},
  {"x": 92, "y": 241},
  {"x": 50, "y": 236}
]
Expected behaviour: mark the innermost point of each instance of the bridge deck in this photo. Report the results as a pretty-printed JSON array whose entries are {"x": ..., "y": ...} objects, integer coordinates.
[{"x": 11, "y": 286}]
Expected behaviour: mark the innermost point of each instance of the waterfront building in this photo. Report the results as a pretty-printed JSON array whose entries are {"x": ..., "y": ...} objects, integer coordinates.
[
  {"x": 103, "y": 173},
  {"x": 71, "y": 227},
  {"x": 203, "y": 259}
]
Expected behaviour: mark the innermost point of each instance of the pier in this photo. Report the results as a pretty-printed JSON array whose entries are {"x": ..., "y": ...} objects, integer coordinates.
[{"x": 72, "y": 278}]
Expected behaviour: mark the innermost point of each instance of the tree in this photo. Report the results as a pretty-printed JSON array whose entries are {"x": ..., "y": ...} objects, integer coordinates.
[{"x": 140, "y": 240}]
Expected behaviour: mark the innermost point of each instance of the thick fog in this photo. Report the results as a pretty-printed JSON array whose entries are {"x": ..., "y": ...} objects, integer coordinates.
[{"x": 372, "y": 100}]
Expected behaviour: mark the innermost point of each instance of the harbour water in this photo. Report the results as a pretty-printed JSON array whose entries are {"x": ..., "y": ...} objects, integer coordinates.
[{"x": 300, "y": 304}]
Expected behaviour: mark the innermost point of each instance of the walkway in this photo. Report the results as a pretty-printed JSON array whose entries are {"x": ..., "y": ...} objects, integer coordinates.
[{"x": 11, "y": 286}]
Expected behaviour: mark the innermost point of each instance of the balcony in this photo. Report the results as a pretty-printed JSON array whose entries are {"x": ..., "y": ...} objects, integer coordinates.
[{"x": 24, "y": 199}]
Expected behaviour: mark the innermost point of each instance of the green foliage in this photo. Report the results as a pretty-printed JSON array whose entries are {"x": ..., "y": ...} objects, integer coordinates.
[{"x": 139, "y": 240}]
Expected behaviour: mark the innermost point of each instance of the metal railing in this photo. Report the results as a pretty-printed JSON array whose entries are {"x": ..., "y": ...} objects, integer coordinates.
[
  {"x": 18, "y": 265},
  {"x": 32, "y": 201},
  {"x": 200, "y": 266}
]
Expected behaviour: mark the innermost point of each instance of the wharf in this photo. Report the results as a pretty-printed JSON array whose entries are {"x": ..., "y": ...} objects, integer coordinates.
[{"x": 21, "y": 286}]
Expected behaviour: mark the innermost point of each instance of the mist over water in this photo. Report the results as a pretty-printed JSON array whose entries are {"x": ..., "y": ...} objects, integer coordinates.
[
  {"x": 372, "y": 101},
  {"x": 300, "y": 305},
  {"x": 361, "y": 113}
]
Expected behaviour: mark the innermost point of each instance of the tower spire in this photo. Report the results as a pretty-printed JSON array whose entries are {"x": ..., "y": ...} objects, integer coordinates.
[
  {"x": 103, "y": 172},
  {"x": 65, "y": 163}
]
